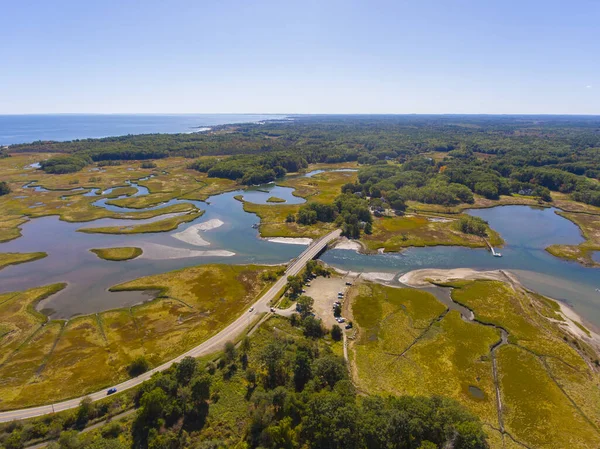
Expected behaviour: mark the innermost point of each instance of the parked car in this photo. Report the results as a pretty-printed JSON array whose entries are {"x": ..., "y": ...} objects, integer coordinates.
[
  {"x": 251, "y": 309},
  {"x": 111, "y": 391},
  {"x": 348, "y": 283},
  {"x": 349, "y": 326}
]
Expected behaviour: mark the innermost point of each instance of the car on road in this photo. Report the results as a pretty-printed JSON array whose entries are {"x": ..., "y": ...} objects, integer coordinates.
[
  {"x": 348, "y": 283},
  {"x": 272, "y": 309},
  {"x": 251, "y": 309},
  {"x": 111, "y": 391}
]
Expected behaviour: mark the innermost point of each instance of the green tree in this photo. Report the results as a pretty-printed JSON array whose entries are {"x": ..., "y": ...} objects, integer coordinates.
[
  {"x": 84, "y": 412},
  {"x": 302, "y": 369},
  {"x": 329, "y": 370},
  {"x": 230, "y": 352},
  {"x": 336, "y": 333},
  {"x": 304, "y": 305},
  {"x": 200, "y": 388},
  {"x": 186, "y": 370},
  {"x": 294, "y": 285}
]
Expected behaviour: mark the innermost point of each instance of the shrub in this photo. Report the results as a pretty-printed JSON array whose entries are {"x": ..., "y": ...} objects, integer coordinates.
[{"x": 139, "y": 366}]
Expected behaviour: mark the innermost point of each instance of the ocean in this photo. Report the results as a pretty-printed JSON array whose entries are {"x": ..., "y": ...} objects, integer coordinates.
[{"x": 62, "y": 127}]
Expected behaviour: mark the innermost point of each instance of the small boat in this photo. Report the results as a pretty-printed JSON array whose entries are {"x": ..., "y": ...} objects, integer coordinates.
[{"x": 497, "y": 254}]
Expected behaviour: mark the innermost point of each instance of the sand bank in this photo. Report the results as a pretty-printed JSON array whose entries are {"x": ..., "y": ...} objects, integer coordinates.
[
  {"x": 191, "y": 235},
  {"x": 154, "y": 251},
  {"x": 418, "y": 278},
  {"x": 375, "y": 276}
]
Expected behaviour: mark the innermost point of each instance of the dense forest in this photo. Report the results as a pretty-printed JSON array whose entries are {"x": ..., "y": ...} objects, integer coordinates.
[{"x": 486, "y": 155}]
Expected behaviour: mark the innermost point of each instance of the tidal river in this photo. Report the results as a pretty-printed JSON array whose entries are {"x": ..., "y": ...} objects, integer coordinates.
[
  {"x": 230, "y": 236},
  {"x": 527, "y": 231}
]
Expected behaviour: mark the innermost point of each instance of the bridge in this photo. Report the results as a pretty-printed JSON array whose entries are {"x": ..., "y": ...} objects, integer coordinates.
[{"x": 213, "y": 344}]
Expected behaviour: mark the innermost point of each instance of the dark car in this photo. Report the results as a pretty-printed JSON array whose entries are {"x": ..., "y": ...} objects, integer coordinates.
[{"x": 111, "y": 391}]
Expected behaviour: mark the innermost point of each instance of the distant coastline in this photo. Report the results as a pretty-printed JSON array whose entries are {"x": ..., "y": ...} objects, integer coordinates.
[{"x": 15, "y": 129}]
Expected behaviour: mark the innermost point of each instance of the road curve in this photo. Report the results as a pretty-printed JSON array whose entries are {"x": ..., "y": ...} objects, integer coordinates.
[{"x": 213, "y": 344}]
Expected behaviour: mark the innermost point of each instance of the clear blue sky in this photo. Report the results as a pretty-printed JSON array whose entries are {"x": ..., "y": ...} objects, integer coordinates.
[{"x": 324, "y": 56}]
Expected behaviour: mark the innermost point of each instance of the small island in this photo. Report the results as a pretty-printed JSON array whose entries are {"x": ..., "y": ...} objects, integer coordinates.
[
  {"x": 274, "y": 199},
  {"x": 7, "y": 259},
  {"x": 117, "y": 254}
]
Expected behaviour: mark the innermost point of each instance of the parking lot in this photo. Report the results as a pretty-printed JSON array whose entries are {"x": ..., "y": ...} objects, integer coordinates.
[{"x": 325, "y": 293}]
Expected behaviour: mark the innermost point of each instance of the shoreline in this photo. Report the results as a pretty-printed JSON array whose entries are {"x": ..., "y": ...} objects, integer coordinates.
[{"x": 572, "y": 320}]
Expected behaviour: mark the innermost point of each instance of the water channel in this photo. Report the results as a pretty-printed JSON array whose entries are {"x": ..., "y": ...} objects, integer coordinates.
[{"x": 526, "y": 230}]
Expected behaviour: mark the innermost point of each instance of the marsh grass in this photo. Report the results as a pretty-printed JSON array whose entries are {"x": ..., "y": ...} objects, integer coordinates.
[
  {"x": 549, "y": 392},
  {"x": 408, "y": 344},
  {"x": 48, "y": 361}
]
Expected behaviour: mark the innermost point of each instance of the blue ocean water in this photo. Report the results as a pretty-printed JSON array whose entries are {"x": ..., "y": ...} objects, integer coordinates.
[{"x": 61, "y": 127}]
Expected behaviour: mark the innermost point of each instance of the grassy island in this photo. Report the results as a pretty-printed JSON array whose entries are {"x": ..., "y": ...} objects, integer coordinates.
[
  {"x": 164, "y": 225},
  {"x": 7, "y": 259},
  {"x": 118, "y": 254},
  {"x": 274, "y": 199}
]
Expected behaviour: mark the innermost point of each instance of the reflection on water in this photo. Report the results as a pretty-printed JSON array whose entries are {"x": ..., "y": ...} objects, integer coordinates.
[{"x": 527, "y": 231}]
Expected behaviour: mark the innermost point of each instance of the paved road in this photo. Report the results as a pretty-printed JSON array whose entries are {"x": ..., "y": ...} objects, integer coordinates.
[{"x": 213, "y": 344}]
